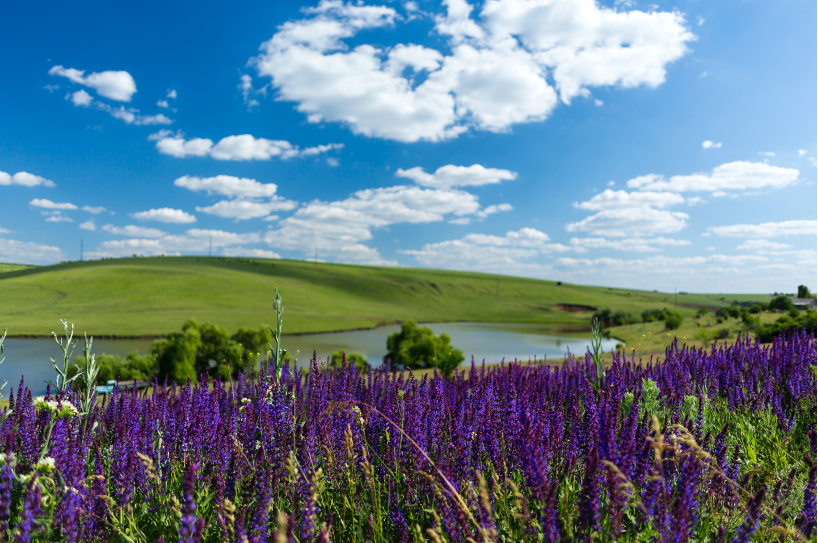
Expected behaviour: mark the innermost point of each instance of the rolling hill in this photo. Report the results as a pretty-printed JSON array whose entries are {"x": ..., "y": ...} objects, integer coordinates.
[{"x": 153, "y": 296}]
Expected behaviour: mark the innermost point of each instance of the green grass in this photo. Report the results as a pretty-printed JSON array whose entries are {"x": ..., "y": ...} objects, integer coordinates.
[
  {"x": 154, "y": 296},
  {"x": 656, "y": 337},
  {"x": 4, "y": 267}
]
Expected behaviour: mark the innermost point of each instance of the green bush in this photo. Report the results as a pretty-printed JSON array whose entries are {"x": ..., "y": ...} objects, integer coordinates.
[
  {"x": 723, "y": 333},
  {"x": 175, "y": 354},
  {"x": 780, "y": 303},
  {"x": 414, "y": 347},
  {"x": 607, "y": 318},
  {"x": 650, "y": 315},
  {"x": 352, "y": 359},
  {"x": 114, "y": 368},
  {"x": 734, "y": 311},
  {"x": 787, "y": 324},
  {"x": 673, "y": 321},
  {"x": 702, "y": 311}
]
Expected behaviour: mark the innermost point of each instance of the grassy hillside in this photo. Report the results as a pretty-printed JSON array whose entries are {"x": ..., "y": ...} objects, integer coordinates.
[
  {"x": 5, "y": 267},
  {"x": 153, "y": 296}
]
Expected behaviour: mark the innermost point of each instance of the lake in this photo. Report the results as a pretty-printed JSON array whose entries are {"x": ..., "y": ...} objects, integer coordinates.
[{"x": 491, "y": 342}]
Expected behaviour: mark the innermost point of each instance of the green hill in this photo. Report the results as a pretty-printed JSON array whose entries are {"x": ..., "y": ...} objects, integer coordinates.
[{"x": 154, "y": 296}]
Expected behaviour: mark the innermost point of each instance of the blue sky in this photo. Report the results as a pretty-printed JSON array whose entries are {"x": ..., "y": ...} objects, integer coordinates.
[{"x": 656, "y": 146}]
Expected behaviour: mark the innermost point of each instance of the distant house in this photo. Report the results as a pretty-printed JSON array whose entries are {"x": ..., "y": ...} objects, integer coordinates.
[{"x": 804, "y": 303}]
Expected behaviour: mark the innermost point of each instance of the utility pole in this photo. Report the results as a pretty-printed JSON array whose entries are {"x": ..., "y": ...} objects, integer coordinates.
[
  {"x": 210, "y": 249},
  {"x": 81, "y": 249}
]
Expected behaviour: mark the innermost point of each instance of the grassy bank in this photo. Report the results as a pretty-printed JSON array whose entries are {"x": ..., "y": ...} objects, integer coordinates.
[{"x": 153, "y": 296}]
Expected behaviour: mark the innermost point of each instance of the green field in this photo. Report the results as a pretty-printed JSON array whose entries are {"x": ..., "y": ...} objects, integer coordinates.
[
  {"x": 154, "y": 296},
  {"x": 4, "y": 267}
]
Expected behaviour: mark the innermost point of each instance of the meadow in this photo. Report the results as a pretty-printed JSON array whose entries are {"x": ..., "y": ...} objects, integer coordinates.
[
  {"x": 153, "y": 296},
  {"x": 704, "y": 446}
]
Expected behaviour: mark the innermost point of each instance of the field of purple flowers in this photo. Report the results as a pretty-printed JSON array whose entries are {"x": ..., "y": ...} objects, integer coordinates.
[{"x": 704, "y": 446}]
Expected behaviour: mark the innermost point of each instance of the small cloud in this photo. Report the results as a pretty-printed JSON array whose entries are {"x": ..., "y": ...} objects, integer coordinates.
[
  {"x": 332, "y": 161},
  {"x": 611, "y": 183},
  {"x": 718, "y": 194},
  {"x": 171, "y": 94},
  {"x": 270, "y": 218},
  {"x": 162, "y": 103},
  {"x": 703, "y": 74},
  {"x": 766, "y": 153},
  {"x": 462, "y": 220},
  {"x": 162, "y": 134},
  {"x": 88, "y": 225},
  {"x": 52, "y": 88},
  {"x": 80, "y": 98},
  {"x": 59, "y": 218},
  {"x": 166, "y": 215},
  {"x": 801, "y": 152},
  {"x": 25, "y": 179},
  {"x": 709, "y": 248},
  {"x": 94, "y": 210},
  {"x": 48, "y": 204},
  {"x": 707, "y": 144},
  {"x": 700, "y": 20},
  {"x": 599, "y": 103},
  {"x": 693, "y": 200},
  {"x": 253, "y": 253}
]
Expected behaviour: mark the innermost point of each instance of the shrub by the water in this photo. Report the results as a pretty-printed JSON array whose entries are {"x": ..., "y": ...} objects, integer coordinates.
[
  {"x": 703, "y": 446},
  {"x": 418, "y": 347}
]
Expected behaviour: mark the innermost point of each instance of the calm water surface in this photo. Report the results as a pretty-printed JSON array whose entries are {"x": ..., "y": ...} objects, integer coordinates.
[{"x": 491, "y": 342}]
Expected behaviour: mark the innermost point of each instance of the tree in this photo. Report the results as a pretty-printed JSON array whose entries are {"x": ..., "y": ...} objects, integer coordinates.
[
  {"x": 673, "y": 321},
  {"x": 782, "y": 303},
  {"x": 703, "y": 310},
  {"x": 175, "y": 355},
  {"x": 414, "y": 347},
  {"x": 352, "y": 359},
  {"x": 803, "y": 292}
]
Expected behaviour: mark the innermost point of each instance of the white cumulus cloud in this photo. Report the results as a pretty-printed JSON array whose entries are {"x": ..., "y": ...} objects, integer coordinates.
[
  {"x": 487, "y": 252},
  {"x": 707, "y": 144},
  {"x": 94, "y": 210},
  {"x": 763, "y": 245},
  {"x": 228, "y": 185},
  {"x": 767, "y": 229},
  {"x": 510, "y": 63},
  {"x": 241, "y": 147},
  {"x": 624, "y": 214},
  {"x": 739, "y": 175},
  {"x": 134, "y": 231},
  {"x": 25, "y": 179},
  {"x": 192, "y": 241},
  {"x": 24, "y": 252},
  {"x": 250, "y": 253},
  {"x": 242, "y": 209},
  {"x": 115, "y": 85},
  {"x": 166, "y": 215},
  {"x": 450, "y": 176},
  {"x": 48, "y": 204},
  {"x": 89, "y": 225}
]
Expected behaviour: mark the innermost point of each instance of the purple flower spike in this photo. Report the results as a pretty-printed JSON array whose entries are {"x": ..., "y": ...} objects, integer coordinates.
[{"x": 190, "y": 527}]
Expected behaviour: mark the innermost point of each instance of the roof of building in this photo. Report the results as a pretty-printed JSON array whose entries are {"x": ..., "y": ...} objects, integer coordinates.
[{"x": 803, "y": 301}]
